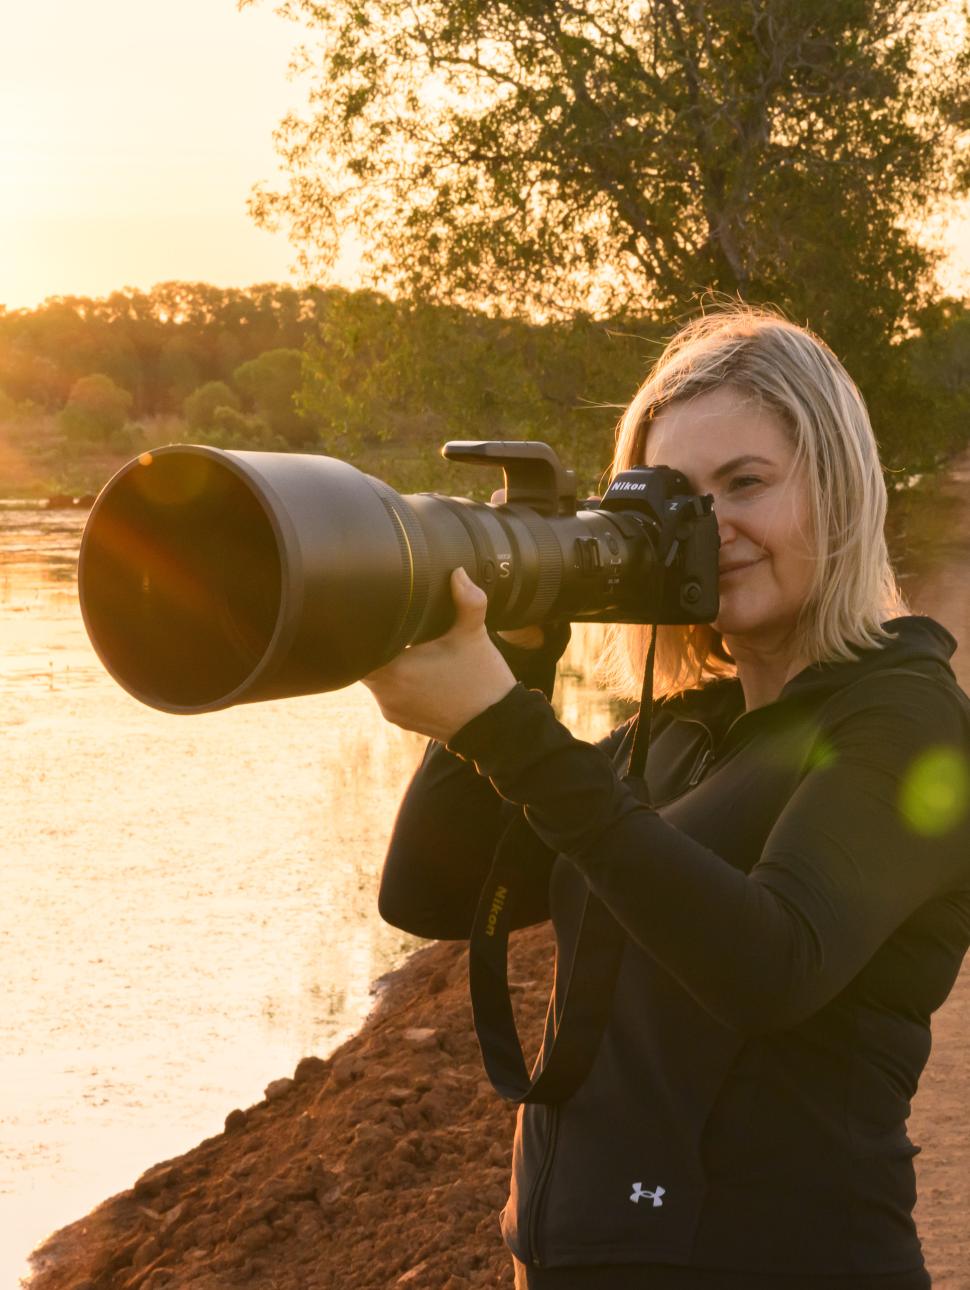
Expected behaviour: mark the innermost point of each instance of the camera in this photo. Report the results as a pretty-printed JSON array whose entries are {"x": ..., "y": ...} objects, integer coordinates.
[{"x": 210, "y": 577}]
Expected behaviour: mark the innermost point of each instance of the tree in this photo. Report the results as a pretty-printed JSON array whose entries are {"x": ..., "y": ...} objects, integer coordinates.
[
  {"x": 96, "y": 409},
  {"x": 8, "y": 406},
  {"x": 160, "y": 345},
  {"x": 942, "y": 350},
  {"x": 179, "y": 370},
  {"x": 271, "y": 383},
  {"x": 623, "y": 157},
  {"x": 202, "y": 404},
  {"x": 940, "y": 359},
  {"x": 413, "y": 374}
]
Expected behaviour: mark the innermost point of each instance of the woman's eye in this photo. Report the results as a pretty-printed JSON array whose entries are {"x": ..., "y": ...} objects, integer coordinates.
[{"x": 745, "y": 479}]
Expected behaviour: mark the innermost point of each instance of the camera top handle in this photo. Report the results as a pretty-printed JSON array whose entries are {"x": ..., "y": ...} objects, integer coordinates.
[{"x": 534, "y": 475}]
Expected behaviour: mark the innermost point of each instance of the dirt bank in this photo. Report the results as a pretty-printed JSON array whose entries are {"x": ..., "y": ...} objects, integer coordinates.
[
  {"x": 383, "y": 1166},
  {"x": 387, "y": 1164}
]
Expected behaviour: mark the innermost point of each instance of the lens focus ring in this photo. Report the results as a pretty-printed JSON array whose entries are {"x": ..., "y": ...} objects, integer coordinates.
[{"x": 535, "y": 607}]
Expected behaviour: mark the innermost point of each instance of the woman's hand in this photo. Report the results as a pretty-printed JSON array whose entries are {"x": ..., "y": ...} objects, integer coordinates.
[{"x": 436, "y": 688}]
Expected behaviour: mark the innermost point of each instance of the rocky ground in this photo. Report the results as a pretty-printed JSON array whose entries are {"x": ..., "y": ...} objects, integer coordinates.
[{"x": 386, "y": 1165}]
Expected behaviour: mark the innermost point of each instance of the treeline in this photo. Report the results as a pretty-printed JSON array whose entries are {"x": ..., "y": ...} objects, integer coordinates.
[
  {"x": 159, "y": 345},
  {"x": 384, "y": 382}
]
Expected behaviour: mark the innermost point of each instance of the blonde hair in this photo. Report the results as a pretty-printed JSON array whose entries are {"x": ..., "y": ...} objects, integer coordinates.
[{"x": 794, "y": 373}]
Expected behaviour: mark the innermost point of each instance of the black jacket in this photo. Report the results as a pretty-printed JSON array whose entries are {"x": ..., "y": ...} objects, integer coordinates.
[{"x": 797, "y": 903}]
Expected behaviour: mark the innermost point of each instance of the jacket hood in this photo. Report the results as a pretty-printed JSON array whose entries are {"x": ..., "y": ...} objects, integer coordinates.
[{"x": 919, "y": 643}]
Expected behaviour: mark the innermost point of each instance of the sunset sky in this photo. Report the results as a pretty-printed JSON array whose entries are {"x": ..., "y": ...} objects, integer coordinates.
[{"x": 130, "y": 136}]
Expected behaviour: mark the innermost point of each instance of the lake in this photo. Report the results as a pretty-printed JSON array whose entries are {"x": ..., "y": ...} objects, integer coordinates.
[{"x": 188, "y": 904}]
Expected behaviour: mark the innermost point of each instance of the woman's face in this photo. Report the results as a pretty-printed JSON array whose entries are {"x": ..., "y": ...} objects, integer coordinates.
[{"x": 762, "y": 511}]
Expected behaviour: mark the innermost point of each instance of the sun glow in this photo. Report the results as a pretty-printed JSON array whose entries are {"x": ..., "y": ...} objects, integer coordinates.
[{"x": 129, "y": 141}]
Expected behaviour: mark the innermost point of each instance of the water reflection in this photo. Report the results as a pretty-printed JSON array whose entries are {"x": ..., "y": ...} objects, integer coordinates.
[
  {"x": 189, "y": 902},
  {"x": 38, "y": 549}
]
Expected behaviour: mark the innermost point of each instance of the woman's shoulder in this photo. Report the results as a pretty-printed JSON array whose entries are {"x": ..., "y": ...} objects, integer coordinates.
[
  {"x": 911, "y": 663},
  {"x": 896, "y": 716}
]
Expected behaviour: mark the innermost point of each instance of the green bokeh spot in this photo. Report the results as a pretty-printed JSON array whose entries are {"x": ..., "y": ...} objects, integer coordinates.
[
  {"x": 822, "y": 754},
  {"x": 935, "y": 793}
]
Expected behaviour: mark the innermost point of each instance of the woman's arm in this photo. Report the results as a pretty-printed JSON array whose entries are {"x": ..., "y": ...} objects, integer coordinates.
[
  {"x": 441, "y": 849},
  {"x": 840, "y": 871},
  {"x": 449, "y": 822},
  {"x": 442, "y": 846}
]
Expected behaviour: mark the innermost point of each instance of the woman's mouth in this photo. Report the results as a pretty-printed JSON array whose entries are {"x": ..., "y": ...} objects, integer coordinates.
[{"x": 737, "y": 568}]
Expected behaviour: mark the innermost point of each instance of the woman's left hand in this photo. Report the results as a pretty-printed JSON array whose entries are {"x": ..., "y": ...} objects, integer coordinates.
[{"x": 436, "y": 688}]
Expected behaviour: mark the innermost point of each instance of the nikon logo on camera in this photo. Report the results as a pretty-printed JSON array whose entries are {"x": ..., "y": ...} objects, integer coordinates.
[
  {"x": 627, "y": 486},
  {"x": 498, "y": 901}
]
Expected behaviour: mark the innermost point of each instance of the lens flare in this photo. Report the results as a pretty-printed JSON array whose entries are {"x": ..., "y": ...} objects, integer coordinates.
[{"x": 935, "y": 793}]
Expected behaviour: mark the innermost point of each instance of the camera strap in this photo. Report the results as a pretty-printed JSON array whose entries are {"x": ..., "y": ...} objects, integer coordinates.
[
  {"x": 587, "y": 962},
  {"x": 641, "y": 736}
]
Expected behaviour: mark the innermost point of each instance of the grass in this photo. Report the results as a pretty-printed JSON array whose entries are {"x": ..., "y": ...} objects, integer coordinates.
[{"x": 38, "y": 461}]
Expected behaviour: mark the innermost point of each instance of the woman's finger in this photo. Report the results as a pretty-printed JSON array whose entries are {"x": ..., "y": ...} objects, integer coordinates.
[{"x": 470, "y": 601}]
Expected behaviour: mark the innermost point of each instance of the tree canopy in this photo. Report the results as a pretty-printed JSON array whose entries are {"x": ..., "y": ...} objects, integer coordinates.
[
  {"x": 96, "y": 409},
  {"x": 621, "y": 157},
  {"x": 201, "y": 406},
  {"x": 271, "y": 383}
]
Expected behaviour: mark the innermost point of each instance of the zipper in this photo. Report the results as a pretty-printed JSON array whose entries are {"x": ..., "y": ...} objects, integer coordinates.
[
  {"x": 705, "y": 759},
  {"x": 538, "y": 1191},
  {"x": 707, "y": 756}
]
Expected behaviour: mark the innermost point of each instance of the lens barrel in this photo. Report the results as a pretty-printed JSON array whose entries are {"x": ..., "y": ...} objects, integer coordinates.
[{"x": 209, "y": 578}]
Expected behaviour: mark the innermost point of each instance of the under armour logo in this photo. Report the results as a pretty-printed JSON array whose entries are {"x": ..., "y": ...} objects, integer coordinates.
[{"x": 639, "y": 1194}]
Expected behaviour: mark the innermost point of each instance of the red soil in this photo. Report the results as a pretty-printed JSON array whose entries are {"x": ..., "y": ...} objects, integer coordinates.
[{"x": 385, "y": 1165}]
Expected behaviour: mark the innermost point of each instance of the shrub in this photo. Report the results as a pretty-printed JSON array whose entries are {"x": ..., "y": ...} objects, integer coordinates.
[
  {"x": 271, "y": 383},
  {"x": 130, "y": 438},
  {"x": 201, "y": 406},
  {"x": 233, "y": 429},
  {"x": 96, "y": 409}
]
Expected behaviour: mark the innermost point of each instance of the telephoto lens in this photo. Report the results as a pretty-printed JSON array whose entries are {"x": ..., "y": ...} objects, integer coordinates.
[{"x": 209, "y": 577}]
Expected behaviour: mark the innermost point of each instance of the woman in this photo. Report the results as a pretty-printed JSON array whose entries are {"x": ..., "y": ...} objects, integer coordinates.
[{"x": 796, "y": 897}]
